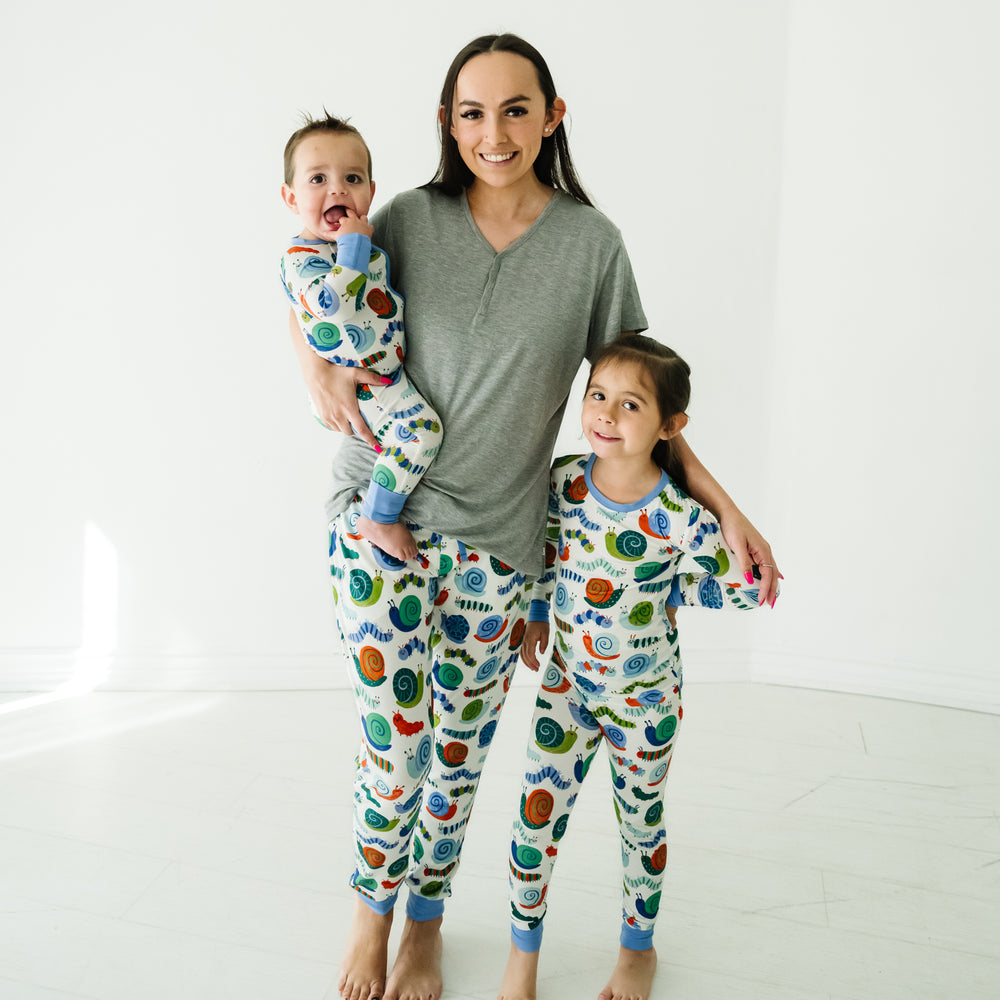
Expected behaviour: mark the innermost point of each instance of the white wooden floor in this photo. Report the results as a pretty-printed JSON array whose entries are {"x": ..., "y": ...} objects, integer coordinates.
[{"x": 187, "y": 846}]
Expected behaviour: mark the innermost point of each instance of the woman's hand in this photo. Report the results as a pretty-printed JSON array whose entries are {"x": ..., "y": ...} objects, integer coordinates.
[
  {"x": 751, "y": 548},
  {"x": 333, "y": 388}
]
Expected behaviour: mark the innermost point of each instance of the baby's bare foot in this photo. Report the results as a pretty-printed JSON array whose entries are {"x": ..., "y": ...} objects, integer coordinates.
[
  {"x": 393, "y": 539},
  {"x": 633, "y": 976},
  {"x": 362, "y": 970},
  {"x": 416, "y": 973},
  {"x": 521, "y": 975}
]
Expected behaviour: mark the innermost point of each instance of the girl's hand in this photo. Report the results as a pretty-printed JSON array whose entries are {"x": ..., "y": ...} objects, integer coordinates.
[
  {"x": 751, "y": 548},
  {"x": 333, "y": 388},
  {"x": 536, "y": 638}
]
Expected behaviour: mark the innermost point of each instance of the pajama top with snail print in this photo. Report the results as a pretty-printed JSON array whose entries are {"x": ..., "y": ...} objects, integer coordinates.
[
  {"x": 614, "y": 677},
  {"x": 350, "y": 315}
]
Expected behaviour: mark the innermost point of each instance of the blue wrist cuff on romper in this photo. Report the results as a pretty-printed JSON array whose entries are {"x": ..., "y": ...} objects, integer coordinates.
[
  {"x": 354, "y": 251},
  {"x": 528, "y": 941},
  {"x": 420, "y": 909},
  {"x": 538, "y": 611},
  {"x": 636, "y": 940},
  {"x": 382, "y": 505}
]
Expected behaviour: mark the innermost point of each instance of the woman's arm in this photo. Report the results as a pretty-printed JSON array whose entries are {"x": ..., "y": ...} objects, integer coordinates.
[
  {"x": 749, "y": 546},
  {"x": 332, "y": 388}
]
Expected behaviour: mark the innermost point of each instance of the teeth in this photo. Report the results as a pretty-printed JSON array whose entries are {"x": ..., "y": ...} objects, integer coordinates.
[{"x": 496, "y": 157}]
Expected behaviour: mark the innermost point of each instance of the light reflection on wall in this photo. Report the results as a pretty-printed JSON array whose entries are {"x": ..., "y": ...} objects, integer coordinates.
[{"x": 99, "y": 636}]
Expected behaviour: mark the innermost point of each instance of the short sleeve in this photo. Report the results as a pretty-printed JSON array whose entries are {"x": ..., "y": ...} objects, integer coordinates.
[{"x": 617, "y": 307}]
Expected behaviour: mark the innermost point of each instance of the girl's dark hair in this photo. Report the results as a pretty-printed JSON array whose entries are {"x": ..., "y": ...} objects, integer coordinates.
[
  {"x": 553, "y": 165},
  {"x": 671, "y": 378}
]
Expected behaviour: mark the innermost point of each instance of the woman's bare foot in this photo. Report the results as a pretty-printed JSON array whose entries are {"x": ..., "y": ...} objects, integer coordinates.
[
  {"x": 633, "y": 976},
  {"x": 521, "y": 975},
  {"x": 393, "y": 539},
  {"x": 416, "y": 973},
  {"x": 362, "y": 970}
]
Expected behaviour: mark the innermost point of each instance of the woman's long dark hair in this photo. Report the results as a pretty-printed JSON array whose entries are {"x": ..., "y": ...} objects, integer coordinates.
[
  {"x": 670, "y": 375},
  {"x": 553, "y": 165}
]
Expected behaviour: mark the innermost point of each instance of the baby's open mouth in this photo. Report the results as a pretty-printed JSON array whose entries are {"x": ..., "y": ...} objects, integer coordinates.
[{"x": 334, "y": 215}]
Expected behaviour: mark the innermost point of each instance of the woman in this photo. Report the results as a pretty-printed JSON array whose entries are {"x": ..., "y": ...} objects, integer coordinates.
[{"x": 511, "y": 279}]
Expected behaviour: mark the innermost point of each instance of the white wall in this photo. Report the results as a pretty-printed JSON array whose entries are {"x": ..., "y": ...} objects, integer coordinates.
[
  {"x": 161, "y": 523},
  {"x": 883, "y": 432}
]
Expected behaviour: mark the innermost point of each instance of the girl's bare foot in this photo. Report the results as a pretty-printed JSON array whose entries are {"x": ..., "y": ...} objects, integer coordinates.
[
  {"x": 362, "y": 970},
  {"x": 633, "y": 976},
  {"x": 393, "y": 539},
  {"x": 416, "y": 974},
  {"x": 521, "y": 975}
]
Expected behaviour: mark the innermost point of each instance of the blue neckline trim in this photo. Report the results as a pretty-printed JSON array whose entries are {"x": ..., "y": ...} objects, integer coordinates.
[{"x": 624, "y": 507}]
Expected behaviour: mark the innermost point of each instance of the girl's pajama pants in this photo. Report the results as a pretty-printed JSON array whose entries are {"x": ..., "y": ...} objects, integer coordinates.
[{"x": 634, "y": 709}]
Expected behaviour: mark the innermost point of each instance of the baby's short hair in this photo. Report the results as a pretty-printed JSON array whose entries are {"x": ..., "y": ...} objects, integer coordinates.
[{"x": 328, "y": 123}]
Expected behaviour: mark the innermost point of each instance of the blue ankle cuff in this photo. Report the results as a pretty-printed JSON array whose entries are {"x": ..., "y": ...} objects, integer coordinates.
[
  {"x": 527, "y": 940},
  {"x": 420, "y": 909},
  {"x": 382, "y": 505},
  {"x": 635, "y": 939},
  {"x": 380, "y": 906}
]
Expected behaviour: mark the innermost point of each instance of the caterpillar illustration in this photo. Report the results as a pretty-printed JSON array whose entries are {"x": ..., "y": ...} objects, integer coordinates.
[
  {"x": 403, "y": 727},
  {"x": 537, "y": 777},
  {"x": 409, "y": 578},
  {"x": 603, "y": 712},
  {"x": 645, "y": 796},
  {"x": 628, "y": 808},
  {"x": 590, "y": 615},
  {"x": 391, "y": 330},
  {"x": 671, "y": 505},
  {"x": 653, "y": 754},
  {"x": 377, "y": 841},
  {"x": 703, "y": 532},
  {"x": 460, "y": 773},
  {"x": 511, "y": 584},
  {"x": 445, "y": 704},
  {"x": 406, "y": 650},
  {"x": 584, "y": 520},
  {"x": 476, "y": 692},
  {"x": 369, "y": 628},
  {"x": 642, "y": 882},
  {"x": 656, "y": 588},
  {"x": 573, "y": 533},
  {"x": 641, "y": 641},
  {"x": 460, "y": 790},
  {"x": 473, "y": 605}
]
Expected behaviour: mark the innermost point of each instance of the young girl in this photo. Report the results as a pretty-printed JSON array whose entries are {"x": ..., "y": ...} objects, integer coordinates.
[{"x": 620, "y": 524}]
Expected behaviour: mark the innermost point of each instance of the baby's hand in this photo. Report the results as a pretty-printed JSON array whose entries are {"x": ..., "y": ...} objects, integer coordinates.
[
  {"x": 354, "y": 223},
  {"x": 535, "y": 641}
]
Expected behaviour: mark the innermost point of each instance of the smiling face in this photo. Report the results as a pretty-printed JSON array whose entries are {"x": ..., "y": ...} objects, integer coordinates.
[
  {"x": 331, "y": 176},
  {"x": 499, "y": 119},
  {"x": 621, "y": 419}
]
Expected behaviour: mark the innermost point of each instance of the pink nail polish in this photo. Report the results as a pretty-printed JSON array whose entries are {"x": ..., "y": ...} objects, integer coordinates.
[
  {"x": 749, "y": 576},
  {"x": 386, "y": 381},
  {"x": 773, "y": 599},
  {"x": 378, "y": 449}
]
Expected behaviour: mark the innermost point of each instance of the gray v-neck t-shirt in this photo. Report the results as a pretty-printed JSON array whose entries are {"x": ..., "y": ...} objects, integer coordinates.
[{"x": 494, "y": 341}]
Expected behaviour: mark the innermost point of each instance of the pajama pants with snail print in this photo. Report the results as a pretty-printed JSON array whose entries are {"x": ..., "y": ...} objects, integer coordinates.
[
  {"x": 431, "y": 646},
  {"x": 634, "y": 712}
]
